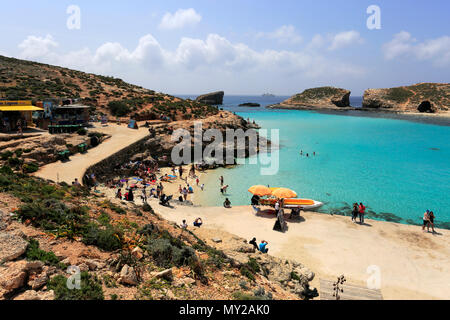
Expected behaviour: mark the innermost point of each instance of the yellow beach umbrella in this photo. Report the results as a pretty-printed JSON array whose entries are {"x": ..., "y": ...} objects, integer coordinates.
[
  {"x": 282, "y": 193},
  {"x": 260, "y": 191}
]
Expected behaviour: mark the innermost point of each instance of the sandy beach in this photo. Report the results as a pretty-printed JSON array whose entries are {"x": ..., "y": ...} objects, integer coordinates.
[{"x": 412, "y": 264}]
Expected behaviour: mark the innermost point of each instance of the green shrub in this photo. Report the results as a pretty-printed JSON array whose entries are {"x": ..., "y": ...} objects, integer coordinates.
[
  {"x": 90, "y": 288},
  {"x": 18, "y": 152},
  {"x": 294, "y": 276},
  {"x": 118, "y": 108},
  {"x": 104, "y": 218},
  {"x": 30, "y": 167},
  {"x": 14, "y": 162},
  {"x": 147, "y": 208},
  {"x": 107, "y": 238},
  {"x": 5, "y": 155},
  {"x": 245, "y": 271},
  {"x": 34, "y": 253},
  {"x": 253, "y": 265},
  {"x": 238, "y": 295},
  {"x": 82, "y": 131}
]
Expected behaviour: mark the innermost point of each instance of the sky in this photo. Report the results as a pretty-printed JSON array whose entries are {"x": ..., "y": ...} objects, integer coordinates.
[{"x": 241, "y": 47}]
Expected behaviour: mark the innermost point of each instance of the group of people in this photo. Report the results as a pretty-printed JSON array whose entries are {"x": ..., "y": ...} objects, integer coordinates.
[
  {"x": 428, "y": 220},
  {"x": 197, "y": 223},
  {"x": 261, "y": 247},
  {"x": 307, "y": 154},
  {"x": 6, "y": 125},
  {"x": 358, "y": 211}
]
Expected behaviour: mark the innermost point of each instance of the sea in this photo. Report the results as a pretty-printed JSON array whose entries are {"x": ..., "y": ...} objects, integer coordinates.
[{"x": 397, "y": 166}]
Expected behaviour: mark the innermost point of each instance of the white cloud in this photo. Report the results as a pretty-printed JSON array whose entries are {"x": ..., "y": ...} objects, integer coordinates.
[
  {"x": 284, "y": 34},
  {"x": 180, "y": 19},
  {"x": 196, "y": 64},
  {"x": 404, "y": 45},
  {"x": 344, "y": 39},
  {"x": 33, "y": 47},
  {"x": 335, "y": 41}
]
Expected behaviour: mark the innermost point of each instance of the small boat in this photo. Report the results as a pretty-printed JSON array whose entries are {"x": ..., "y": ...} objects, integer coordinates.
[{"x": 303, "y": 204}]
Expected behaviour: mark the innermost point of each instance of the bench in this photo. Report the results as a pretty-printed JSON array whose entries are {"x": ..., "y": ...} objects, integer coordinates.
[
  {"x": 64, "y": 155},
  {"x": 82, "y": 147}
]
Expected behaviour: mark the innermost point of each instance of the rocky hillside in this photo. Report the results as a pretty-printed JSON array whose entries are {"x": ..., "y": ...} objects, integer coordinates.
[
  {"x": 317, "y": 98},
  {"x": 421, "y": 97},
  {"x": 121, "y": 251},
  {"x": 21, "y": 79}
]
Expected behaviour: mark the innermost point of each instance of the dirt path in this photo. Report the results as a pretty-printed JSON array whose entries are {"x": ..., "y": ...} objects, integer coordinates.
[{"x": 121, "y": 137}]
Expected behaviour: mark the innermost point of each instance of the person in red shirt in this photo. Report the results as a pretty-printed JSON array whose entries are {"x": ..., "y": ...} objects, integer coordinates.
[{"x": 362, "y": 211}]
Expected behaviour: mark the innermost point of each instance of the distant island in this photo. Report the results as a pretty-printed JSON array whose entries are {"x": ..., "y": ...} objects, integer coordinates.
[
  {"x": 268, "y": 95},
  {"x": 249, "y": 104},
  {"x": 421, "y": 98}
]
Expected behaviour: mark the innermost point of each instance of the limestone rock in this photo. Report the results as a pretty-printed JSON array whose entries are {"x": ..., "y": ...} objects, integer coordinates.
[
  {"x": 128, "y": 276},
  {"x": 317, "y": 98},
  {"x": 138, "y": 253},
  {"x": 165, "y": 274},
  {"x": 214, "y": 98},
  {"x": 14, "y": 276},
  {"x": 34, "y": 295},
  {"x": 12, "y": 246},
  {"x": 421, "y": 97}
]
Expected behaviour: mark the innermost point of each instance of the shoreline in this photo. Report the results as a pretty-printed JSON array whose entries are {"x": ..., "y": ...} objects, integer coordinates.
[
  {"x": 413, "y": 264},
  {"x": 442, "y": 119}
]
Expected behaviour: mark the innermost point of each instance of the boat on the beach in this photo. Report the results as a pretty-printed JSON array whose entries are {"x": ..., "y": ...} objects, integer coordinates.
[{"x": 302, "y": 204}]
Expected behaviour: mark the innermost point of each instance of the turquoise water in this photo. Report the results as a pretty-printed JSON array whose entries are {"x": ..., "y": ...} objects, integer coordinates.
[{"x": 397, "y": 168}]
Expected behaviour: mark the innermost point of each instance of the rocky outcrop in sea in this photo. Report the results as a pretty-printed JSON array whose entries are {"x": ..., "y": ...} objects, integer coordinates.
[{"x": 214, "y": 98}]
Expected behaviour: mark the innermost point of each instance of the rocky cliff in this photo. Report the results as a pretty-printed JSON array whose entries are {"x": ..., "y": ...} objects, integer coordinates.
[
  {"x": 421, "y": 97},
  {"x": 317, "y": 98},
  {"x": 214, "y": 98}
]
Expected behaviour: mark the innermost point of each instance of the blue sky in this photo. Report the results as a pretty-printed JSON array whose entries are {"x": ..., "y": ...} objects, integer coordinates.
[{"x": 242, "y": 47}]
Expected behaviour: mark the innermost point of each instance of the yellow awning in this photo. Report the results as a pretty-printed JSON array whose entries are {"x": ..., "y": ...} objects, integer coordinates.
[{"x": 20, "y": 108}]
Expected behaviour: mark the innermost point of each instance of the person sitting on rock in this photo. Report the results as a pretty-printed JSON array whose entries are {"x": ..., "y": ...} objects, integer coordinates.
[
  {"x": 262, "y": 246},
  {"x": 253, "y": 242}
]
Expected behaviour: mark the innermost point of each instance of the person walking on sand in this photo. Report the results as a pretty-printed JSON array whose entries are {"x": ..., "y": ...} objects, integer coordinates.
[
  {"x": 202, "y": 186},
  {"x": 426, "y": 220},
  {"x": 277, "y": 207},
  {"x": 197, "y": 181},
  {"x": 431, "y": 218},
  {"x": 185, "y": 193},
  {"x": 144, "y": 195},
  {"x": 221, "y": 181},
  {"x": 355, "y": 212},
  {"x": 180, "y": 171},
  {"x": 362, "y": 211}
]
